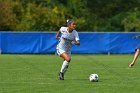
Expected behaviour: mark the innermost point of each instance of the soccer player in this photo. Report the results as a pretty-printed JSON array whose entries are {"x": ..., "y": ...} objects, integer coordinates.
[
  {"x": 136, "y": 54},
  {"x": 68, "y": 37}
]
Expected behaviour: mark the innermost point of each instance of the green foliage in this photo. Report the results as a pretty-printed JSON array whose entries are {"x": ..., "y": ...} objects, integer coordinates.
[
  {"x": 132, "y": 21},
  {"x": 7, "y": 17},
  {"x": 50, "y": 15}
]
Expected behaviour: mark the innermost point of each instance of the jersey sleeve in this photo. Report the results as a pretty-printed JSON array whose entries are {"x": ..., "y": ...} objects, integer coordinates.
[
  {"x": 76, "y": 36},
  {"x": 62, "y": 29}
]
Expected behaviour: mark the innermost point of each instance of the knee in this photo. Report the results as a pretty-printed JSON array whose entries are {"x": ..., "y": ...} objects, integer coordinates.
[
  {"x": 138, "y": 50},
  {"x": 68, "y": 59}
]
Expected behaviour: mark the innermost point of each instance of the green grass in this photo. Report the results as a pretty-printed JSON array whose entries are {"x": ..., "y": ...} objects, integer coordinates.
[{"x": 39, "y": 74}]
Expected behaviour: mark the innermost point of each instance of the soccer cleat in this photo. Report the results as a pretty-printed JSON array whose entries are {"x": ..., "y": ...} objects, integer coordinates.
[
  {"x": 61, "y": 76},
  {"x": 131, "y": 65}
]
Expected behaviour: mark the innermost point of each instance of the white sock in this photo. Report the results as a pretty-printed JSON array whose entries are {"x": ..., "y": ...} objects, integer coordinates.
[{"x": 64, "y": 66}]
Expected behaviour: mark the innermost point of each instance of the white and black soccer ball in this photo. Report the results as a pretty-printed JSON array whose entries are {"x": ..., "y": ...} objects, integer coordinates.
[{"x": 93, "y": 77}]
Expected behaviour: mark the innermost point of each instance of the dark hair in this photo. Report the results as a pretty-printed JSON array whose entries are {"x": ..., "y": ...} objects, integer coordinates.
[{"x": 69, "y": 22}]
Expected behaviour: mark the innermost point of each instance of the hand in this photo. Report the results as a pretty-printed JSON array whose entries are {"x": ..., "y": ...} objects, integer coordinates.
[
  {"x": 76, "y": 43},
  {"x": 58, "y": 38},
  {"x": 134, "y": 37},
  {"x": 73, "y": 42},
  {"x": 137, "y": 37}
]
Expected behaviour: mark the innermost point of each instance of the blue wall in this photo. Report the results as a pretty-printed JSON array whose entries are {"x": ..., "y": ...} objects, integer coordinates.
[{"x": 30, "y": 42}]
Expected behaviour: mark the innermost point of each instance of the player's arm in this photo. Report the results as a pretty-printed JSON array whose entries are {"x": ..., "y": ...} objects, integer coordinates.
[
  {"x": 76, "y": 42},
  {"x": 138, "y": 36},
  {"x": 57, "y": 35}
]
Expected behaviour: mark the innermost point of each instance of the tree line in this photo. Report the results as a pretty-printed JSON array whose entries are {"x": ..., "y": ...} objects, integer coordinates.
[{"x": 50, "y": 15}]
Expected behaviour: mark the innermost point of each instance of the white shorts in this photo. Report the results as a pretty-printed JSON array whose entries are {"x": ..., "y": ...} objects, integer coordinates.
[{"x": 60, "y": 51}]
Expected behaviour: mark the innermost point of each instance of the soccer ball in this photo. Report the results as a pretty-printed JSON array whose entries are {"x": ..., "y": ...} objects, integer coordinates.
[{"x": 93, "y": 78}]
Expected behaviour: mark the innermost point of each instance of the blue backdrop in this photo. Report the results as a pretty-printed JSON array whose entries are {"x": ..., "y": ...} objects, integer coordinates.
[{"x": 91, "y": 43}]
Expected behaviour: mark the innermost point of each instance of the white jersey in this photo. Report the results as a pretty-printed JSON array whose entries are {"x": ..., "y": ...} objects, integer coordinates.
[{"x": 66, "y": 39}]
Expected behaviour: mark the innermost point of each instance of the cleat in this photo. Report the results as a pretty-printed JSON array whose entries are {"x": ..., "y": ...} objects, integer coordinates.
[
  {"x": 131, "y": 65},
  {"x": 61, "y": 76}
]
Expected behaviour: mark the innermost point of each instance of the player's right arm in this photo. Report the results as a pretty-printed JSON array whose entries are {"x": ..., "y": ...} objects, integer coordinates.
[{"x": 57, "y": 35}]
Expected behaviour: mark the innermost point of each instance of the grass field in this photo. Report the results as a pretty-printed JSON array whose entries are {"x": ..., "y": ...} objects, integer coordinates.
[{"x": 39, "y": 74}]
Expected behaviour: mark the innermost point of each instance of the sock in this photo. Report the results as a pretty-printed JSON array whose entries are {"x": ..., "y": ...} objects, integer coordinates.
[{"x": 64, "y": 66}]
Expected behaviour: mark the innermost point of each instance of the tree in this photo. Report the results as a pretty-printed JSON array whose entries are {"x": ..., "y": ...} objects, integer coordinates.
[
  {"x": 7, "y": 17},
  {"x": 132, "y": 21}
]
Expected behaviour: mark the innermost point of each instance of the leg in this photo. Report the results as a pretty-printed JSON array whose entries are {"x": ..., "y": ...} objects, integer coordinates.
[
  {"x": 66, "y": 56},
  {"x": 65, "y": 65},
  {"x": 135, "y": 57}
]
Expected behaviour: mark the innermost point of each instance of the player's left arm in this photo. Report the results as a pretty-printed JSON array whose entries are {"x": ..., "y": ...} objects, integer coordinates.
[
  {"x": 77, "y": 40},
  {"x": 138, "y": 36}
]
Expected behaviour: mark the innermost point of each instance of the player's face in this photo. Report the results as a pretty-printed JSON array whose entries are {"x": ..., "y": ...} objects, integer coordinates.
[{"x": 72, "y": 25}]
